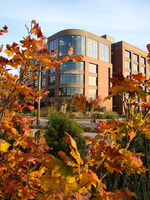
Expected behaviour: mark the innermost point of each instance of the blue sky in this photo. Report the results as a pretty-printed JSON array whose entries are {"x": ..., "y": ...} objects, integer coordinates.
[{"x": 127, "y": 20}]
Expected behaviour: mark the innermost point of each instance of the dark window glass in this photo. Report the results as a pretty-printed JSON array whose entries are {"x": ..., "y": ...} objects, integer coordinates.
[
  {"x": 54, "y": 45},
  {"x": 52, "y": 80},
  {"x": 71, "y": 78},
  {"x": 70, "y": 65},
  {"x": 52, "y": 70},
  {"x": 51, "y": 93},
  {"x": 104, "y": 52},
  {"x": 70, "y": 91},
  {"x": 76, "y": 41}
]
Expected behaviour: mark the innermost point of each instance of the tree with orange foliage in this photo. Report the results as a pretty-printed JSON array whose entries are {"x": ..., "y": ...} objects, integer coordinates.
[
  {"x": 95, "y": 102},
  {"x": 80, "y": 101}
]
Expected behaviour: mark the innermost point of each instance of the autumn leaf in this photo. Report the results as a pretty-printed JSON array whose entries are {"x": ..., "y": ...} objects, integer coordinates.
[
  {"x": 70, "y": 51},
  {"x": 4, "y": 146},
  {"x": 74, "y": 152},
  {"x": 4, "y": 30}
]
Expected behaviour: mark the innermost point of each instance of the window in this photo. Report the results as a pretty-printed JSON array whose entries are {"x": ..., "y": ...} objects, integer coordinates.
[
  {"x": 71, "y": 78},
  {"x": 127, "y": 65},
  {"x": 52, "y": 70},
  {"x": 54, "y": 45},
  {"x": 127, "y": 54},
  {"x": 92, "y": 68},
  {"x": 76, "y": 41},
  {"x": 92, "y": 80},
  {"x": 136, "y": 67},
  {"x": 70, "y": 91},
  {"x": 104, "y": 52},
  {"x": 43, "y": 72},
  {"x": 135, "y": 57},
  {"x": 51, "y": 93},
  {"x": 92, "y": 48},
  {"x": 143, "y": 70},
  {"x": 70, "y": 65},
  {"x": 43, "y": 82},
  {"x": 52, "y": 80},
  {"x": 127, "y": 74},
  {"x": 143, "y": 60},
  {"x": 92, "y": 93}
]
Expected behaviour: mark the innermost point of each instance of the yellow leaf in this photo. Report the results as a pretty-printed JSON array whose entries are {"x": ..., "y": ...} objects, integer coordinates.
[
  {"x": 4, "y": 146},
  {"x": 74, "y": 152}
]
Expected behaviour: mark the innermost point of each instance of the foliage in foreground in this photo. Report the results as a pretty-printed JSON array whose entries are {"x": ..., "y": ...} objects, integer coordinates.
[{"x": 27, "y": 172}]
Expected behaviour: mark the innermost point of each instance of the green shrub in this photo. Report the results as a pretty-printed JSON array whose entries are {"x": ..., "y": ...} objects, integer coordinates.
[
  {"x": 98, "y": 115},
  {"x": 34, "y": 112},
  {"x": 111, "y": 115},
  {"x": 56, "y": 127}
]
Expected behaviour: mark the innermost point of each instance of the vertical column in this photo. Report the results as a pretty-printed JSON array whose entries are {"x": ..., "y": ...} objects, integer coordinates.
[
  {"x": 86, "y": 79},
  {"x": 132, "y": 64}
]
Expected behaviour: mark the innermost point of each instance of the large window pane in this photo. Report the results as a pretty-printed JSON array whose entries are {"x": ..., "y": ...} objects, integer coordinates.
[
  {"x": 92, "y": 48},
  {"x": 143, "y": 60},
  {"x": 92, "y": 80},
  {"x": 52, "y": 70},
  {"x": 92, "y": 93},
  {"x": 71, "y": 78},
  {"x": 52, "y": 80},
  {"x": 92, "y": 68},
  {"x": 54, "y": 45},
  {"x": 76, "y": 41},
  {"x": 127, "y": 54},
  {"x": 70, "y": 91},
  {"x": 135, "y": 57},
  {"x": 136, "y": 67},
  {"x": 104, "y": 52},
  {"x": 127, "y": 65},
  {"x": 70, "y": 65}
]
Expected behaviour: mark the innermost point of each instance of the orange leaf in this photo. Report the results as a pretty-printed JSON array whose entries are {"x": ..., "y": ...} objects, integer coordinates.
[{"x": 70, "y": 51}]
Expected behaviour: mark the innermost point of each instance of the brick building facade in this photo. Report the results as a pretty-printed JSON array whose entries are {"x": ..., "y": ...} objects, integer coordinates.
[{"x": 91, "y": 76}]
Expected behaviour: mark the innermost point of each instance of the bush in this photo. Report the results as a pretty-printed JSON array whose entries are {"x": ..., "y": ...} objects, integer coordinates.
[
  {"x": 56, "y": 127},
  {"x": 111, "y": 115},
  {"x": 34, "y": 112},
  {"x": 98, "y": 115}
]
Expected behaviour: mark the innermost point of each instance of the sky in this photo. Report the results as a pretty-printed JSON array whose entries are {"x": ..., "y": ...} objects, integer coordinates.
[{"x": 125, "y": 20}]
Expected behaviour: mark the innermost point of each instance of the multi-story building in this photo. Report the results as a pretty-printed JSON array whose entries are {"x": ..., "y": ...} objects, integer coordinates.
[
  {"x": 129, "y": 60},
  {"x": 89, "y": 77}
]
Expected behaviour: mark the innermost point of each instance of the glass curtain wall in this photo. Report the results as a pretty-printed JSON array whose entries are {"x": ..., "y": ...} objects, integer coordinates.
[{"x": 76, "y": 41}]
